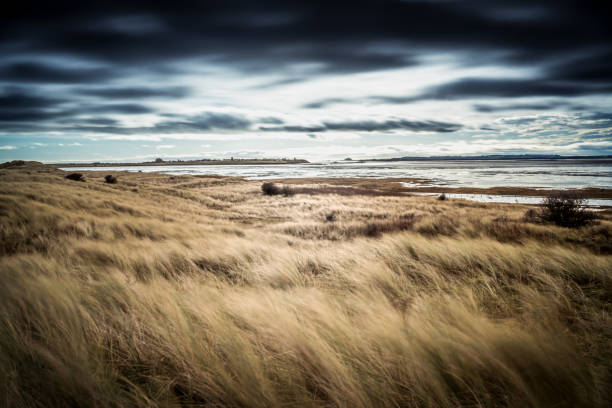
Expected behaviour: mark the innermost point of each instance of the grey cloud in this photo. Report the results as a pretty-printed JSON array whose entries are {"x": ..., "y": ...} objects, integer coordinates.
[
  {"x": 372, "y": 126},
  {"x": 136, "y": 92},
  {"x": 44, "y": 73},
  {"x": 519, "y": 106}
]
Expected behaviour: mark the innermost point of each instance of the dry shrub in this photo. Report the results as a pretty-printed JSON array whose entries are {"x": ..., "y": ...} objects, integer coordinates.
[
  {"x": 272, "y": 189},
  {"x": 75, "y": 177},
  {"x": 566, "y": 210},
  {"x": 110, "y": 179}
]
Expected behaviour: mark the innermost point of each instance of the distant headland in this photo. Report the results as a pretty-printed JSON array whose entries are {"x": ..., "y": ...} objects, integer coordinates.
[{"x": 162, "y": 162}]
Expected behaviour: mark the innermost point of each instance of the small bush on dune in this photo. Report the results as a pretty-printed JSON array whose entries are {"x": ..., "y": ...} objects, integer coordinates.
[
  {"x": 110, "y": 179},
  {"x": 442, "y": 197},
  {"x": 75, "y": 177},
  {"x": 273, "y": 189},
  {"x": 566, "y": 210},
  {"x": 270, "y": 189}
]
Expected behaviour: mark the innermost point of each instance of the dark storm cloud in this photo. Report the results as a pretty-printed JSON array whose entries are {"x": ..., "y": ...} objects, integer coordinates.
[
  {"x": 120, "y": 108},
  {"x": 508, "y": 88},
  {"x": 343, "y": 36},
  {"x": 373, "y": 126},
  {"x": 136, "y": 92},
  {"x": 15, "y": 98},
  {"x": 70, "y": 121},
  {"x": 101, "y": 121},
  {"x": 19, "y": 105},
  {"x": 519, "y": 106},
  {"x": 415, "y": 126},
  {"x": 293, "y": 128},
  {"x": 566, "y": 43},
  {"x": 475, "y": 88},
  {"x": 204, "y": 122},
  {"x": 44, "y": 73}
]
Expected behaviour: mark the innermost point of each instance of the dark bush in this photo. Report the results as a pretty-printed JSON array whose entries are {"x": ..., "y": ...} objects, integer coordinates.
[
  {"x": 270, "y": 189},
  {"x": 566, "y": 209},
  {"x": 273, "y": 189},
  {"x": 110, "y": 179},
  {"x": 331, "y": 217},
  {"x": 75, "y": 177},
  {"x": 442, "y": 197}
]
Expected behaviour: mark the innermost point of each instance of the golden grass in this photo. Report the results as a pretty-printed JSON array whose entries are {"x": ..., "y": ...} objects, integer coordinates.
[{"x": 200, "y": 291}]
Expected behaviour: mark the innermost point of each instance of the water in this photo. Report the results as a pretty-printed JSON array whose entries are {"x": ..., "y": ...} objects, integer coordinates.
[
  {"x": 514, "y": 199},
  {"x": 546, "y": 174}
]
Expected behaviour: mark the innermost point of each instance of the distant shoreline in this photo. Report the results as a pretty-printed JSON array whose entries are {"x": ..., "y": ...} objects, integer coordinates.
[
  {"x": 487, "y": 157},
  {"x": 188, "y": 163}
]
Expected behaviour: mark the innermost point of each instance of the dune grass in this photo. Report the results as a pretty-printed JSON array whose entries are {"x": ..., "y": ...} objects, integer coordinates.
[{"x": 202, "y": 291}]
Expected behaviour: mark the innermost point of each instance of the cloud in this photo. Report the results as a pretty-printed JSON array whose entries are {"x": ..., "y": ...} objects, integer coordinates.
[
  {"x": 414, "y": 126},
  {"x": 507, "y": 88},
  {"x": 138, "y": 70},
  {"x": 372, "y": 126},
  {"x": 121, "y": 108},
  {"x": 159, "y": 147},
  {"x": 136, "y": 92},
  {"x": 19, "y": 72},
  {"x": 7, "y": 147},
  {"x": 519, "y": 106}
]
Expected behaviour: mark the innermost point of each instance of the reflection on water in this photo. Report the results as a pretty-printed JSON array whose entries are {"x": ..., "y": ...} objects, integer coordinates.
[{"x": 452, "y": 173}]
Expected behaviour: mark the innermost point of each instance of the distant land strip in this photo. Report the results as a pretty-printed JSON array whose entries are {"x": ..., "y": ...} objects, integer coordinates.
[
  {"x": 492, "y": 157},
  {"x": 187, "y": 163}
]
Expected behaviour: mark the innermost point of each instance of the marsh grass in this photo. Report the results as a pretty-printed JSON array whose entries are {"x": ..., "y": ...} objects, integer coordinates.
[{"x": 196, "y": 291}]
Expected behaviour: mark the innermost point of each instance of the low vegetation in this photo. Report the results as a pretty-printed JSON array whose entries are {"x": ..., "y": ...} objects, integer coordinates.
[
  {"x": 566, "y": 210},
  {"x": 273, "y": 189},
  {"x": 75, "y": 177},
  {"x": 202, "y": 291}
]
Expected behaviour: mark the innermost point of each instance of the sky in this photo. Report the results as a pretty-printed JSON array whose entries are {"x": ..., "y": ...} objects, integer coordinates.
[{"x": 319, "y": 80}]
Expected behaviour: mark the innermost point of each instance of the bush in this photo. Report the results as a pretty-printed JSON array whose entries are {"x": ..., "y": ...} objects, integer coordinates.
[
  {"x": 75, "y": 177},
  {"x": 442, "y": 197},
  {"x": 273, "y": 189},
  {"x": 110, "y": 179},
  {"x": 270, "y": 189},
  {"x": 566, "y": 209},
  {"x": 331, "y": 217}
]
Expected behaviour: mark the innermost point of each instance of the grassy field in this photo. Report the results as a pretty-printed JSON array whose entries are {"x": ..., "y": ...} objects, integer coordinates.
[{"x": 201, "y": 291}]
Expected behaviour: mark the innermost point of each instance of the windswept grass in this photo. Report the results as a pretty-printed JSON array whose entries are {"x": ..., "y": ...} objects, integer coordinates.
[{"x": 194, "y": 291}]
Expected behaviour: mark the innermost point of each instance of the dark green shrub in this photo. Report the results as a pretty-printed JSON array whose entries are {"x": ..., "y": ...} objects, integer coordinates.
[{"x": 110, "y": 179}]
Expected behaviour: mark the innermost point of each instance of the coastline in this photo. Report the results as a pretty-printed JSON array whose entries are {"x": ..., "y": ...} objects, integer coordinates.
[{"x": 223, "y": 162}]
